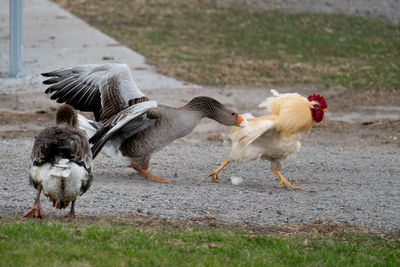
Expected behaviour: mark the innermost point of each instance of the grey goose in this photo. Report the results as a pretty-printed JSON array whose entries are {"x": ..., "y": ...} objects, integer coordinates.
[
  {"x": 61, "y": 163},
  {"x": 128, "y": 126}
]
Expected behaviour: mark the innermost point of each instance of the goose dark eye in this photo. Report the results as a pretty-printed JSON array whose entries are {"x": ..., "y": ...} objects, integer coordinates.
[{"x": 233, "y": 113}]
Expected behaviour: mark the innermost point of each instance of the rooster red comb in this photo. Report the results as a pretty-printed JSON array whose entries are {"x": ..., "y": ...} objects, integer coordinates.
[{"x": 319, "y": 98}]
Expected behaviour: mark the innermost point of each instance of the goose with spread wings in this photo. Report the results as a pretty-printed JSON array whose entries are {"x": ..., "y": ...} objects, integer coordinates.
[{"x": 129, "y": 127}]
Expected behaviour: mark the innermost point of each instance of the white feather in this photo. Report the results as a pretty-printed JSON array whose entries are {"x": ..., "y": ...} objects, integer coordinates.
[
  {"x": 247, "y": 115},
  {"x": 236, "y": 180},
  {"x": 85, "y": 126},
  {"x": 111, "y": 150},
  {"x": 61, "y": 180},
  {"x": 274, "y": 92}
]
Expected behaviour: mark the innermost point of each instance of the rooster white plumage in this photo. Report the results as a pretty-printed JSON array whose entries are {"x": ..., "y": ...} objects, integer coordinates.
[{"x": 276, "y": 136}]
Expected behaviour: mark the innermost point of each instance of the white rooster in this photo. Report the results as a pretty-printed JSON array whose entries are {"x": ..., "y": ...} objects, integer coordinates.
[{"x": 276, "y": 136}]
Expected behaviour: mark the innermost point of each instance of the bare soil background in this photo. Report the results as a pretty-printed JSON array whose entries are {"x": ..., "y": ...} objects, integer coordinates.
[
  {"x": 350, "y": 165},
  {"x": 354, "y": 118}
]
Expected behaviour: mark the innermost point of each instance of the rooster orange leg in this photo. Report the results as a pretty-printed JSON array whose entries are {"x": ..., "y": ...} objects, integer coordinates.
[
  {"x": 283, "y": 182},
  {"x": 214, "y": 174},
  {"x": 142, "y": 169},
  {"x": 36, "y": 211}
]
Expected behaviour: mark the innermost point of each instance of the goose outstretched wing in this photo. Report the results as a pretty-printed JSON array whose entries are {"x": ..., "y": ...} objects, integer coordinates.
[
  {"x": 103, "y": 89},
  {"x": 125, "y": 124}
]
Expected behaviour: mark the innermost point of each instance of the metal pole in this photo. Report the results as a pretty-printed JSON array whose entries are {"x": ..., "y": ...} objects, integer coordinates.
[{"x": 16, "y": 47}]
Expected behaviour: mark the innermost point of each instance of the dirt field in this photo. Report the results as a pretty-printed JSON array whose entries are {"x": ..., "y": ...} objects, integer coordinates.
[
  {"x": 349, "y": 161},
  {"x": 354, "y": 118}
]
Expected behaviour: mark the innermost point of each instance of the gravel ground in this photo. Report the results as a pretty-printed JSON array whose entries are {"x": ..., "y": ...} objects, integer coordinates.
[
  {"x": 351, "y": 159},
  {"x": 359, "y": 186},
  {"x": 353, "y": 166}
]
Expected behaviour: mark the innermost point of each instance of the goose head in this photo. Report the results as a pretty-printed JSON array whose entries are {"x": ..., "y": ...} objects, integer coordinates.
[
  {"x": 66, "y": 115},
  {"x": 211, "y": 108}
]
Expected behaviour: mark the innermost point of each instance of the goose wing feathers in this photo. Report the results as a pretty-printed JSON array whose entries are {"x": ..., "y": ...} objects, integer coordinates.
[
  {"x": 126, "y": 124},
  {"x": 58, "y": 142},
  {"x": 103, "y": 89}
]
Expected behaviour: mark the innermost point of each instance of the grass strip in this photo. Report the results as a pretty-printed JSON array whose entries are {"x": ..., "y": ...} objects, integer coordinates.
[
  {"x": 112, "y": 243},
  {"x": 210, "y": 44}
]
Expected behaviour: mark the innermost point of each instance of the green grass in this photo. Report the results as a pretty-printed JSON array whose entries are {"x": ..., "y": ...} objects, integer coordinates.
[
  {"x": 212, "y": 45},
  {"x": 57, "y": 243}
]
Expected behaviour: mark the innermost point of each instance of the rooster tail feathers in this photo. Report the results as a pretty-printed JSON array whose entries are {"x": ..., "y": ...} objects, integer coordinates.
[
  {"x": 267, "y": 103},
  {"x": 274, "y": 103},
  {"x": 274, "y": 92}
]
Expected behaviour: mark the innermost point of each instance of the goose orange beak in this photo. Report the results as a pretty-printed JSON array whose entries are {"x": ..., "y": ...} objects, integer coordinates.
[{"x": 241, "y": 122}]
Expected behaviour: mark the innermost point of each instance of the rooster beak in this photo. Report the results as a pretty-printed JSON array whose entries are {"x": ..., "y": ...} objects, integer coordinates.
[
  {"x": 325, "y": 110},
  {"x": 241, "y": 122}
]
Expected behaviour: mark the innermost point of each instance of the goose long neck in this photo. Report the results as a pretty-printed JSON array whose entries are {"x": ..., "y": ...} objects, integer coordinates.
[
  {"x": 67, "y": 116},
  {"x": 203, "y": 106}
]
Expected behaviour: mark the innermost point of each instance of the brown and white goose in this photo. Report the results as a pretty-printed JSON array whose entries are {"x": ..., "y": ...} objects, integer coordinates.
[
  {"x": 129, "y": 126},
  {"x": 61, "y": 163}
]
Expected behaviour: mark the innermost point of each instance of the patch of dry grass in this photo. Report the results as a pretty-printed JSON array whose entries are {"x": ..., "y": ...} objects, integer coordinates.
[{"x": 209, "y": 44}]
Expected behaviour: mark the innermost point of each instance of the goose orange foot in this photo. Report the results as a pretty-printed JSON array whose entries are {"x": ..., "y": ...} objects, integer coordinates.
[
  {"x": 35, "y": 212},
  {"x": 71, "y": 213},
  {"x": 142, "y": 169}
]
